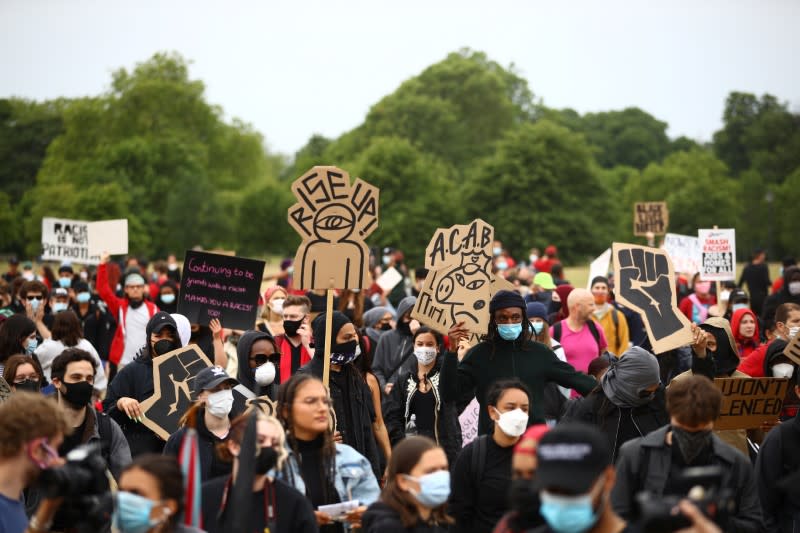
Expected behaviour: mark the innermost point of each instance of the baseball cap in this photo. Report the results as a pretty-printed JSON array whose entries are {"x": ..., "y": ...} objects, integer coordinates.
[
  {"x": 210, "y": 377},
  {"x": 544, "y": 280},
  {"x": 60, "y": 291},
  {"x": 571, "y": 457},
  {"x": 161, "y": 320}
]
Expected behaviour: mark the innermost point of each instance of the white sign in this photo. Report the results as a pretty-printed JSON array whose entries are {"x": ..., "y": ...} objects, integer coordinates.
[
  {"x": 717, "y": 254},
  {"x": 684, "y": 250},
  {"x": 599, "y": 267},
  {"x": 66, "y": 240},
  {"x": 389, "y": 279},
  {"x": 109, "y": 236}
]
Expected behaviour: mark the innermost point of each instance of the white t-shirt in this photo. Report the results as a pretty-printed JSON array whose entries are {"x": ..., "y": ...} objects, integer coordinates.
[
  {"x": 135, "y": 333},
  {"x": 51, "y": 349}
]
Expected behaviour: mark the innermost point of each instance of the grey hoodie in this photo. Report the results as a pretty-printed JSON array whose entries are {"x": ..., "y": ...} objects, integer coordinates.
[{"x": 394, "y": 347}]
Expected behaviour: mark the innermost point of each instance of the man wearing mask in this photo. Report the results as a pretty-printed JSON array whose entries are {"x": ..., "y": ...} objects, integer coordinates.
[
  {"x": 789, "y": 293},
  {"x": 787, "y": 324},
  {"x": 34, "y": 297},
  {"x": 613, "y": 322},
  {"x": 132, "y": 313},
  {"x": 97, "y": 324},
  {"x": 693, "y": 404},
  {"x": 294, "y": 344},
  {"x": 395, "y": 350}
]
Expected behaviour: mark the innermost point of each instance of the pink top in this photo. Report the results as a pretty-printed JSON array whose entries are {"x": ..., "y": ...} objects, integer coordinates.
[{"x": 580, "y": 346}]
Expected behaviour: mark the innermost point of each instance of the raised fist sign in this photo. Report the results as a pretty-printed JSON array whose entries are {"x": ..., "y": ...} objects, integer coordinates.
[{"x": 645, "y": 283}]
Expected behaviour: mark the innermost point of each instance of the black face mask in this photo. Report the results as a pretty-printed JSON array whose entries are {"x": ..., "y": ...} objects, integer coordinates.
[
  {"x": 266, "y": 460},
  {"x": 691, "y": 444},
  {"x": 405, "y": 327},
  {"x": 290, "y": 327},
  {"x": 164, "y": 346},
  {"x": 524, "y": 500},
  {"x": 78, "y": 394},
  {"x": 29, "y": 385},
  {"x": 385, "y": 327},
  {"x": 135, "y": 304}
]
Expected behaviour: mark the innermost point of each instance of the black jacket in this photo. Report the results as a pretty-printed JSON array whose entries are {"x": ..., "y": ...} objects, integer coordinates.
[
  {"x": 98, "y": 327},
  {"x": 633, "y": 476},
  {"x": 619, "y": 425},
  {"x": 245, "y": 374},
  {"x": 211, "y": 465},
  {"x": 398, "y": 404},
  {"x": 777, "y": 470},
  {"x": 380, "y": 518},
  {"x": 781, "y": 297}
]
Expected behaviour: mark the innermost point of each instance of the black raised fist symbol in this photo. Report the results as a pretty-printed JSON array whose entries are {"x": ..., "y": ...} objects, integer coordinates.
[{"x": 646, "y": 284}]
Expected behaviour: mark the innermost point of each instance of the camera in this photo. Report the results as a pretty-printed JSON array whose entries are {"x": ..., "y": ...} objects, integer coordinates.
[{"x": 700, "y": 485}]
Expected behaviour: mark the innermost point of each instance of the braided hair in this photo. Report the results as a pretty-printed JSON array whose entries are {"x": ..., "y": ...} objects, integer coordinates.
[{"x": 520, "y": 343}]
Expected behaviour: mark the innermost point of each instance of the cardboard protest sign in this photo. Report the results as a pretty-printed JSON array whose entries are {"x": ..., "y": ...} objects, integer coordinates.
[
  {"x": 5, "y": 390},
  {"x": 650, "y": 217},
  {"x": 792, "y": 350},
  {"x": 645, "y": 283},
  {"x": 684, "y": 251},
  {"x": 109, "y": 236},
  {"x": 458, "y": 285},
  {"x": 222, "y": 287},
  {"x": 749, "y": 402},
  {"x": 717, "y": 254},
  {"x": 67, "y": 240},
  {"x": 334, "y": 218},
  {"x": 173, "y": 377},
  {"x": 599, "y": 267},
  {"x": 468, "y": 420}
]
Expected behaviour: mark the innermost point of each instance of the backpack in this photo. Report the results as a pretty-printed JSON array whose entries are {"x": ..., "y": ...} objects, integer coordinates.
[
  {"x": 104, "y": 429},
  {"x": 477, "y": 458},
  {"x": 592, "y": 329}
]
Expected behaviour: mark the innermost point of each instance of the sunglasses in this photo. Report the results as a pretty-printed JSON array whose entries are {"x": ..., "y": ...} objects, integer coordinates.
[
  {"x": 32, "y": 298},
  {"x": 261, "y": 358}
]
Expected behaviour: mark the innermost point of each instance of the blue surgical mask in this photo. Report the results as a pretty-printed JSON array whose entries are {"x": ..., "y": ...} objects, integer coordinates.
[
  {"x": 35, "y": 303},
  {"x": 132, "y": 513},
  {"x": 65, "y": 282},
  {"x": 736, "y": 307},
  {"x": 31, "y": 347},
  {"x": 168, "y": 298},
  {"x": 509, "y": 332},
  {"x": 60, "y": 306},
  {"x": 434, "y": 488},
  {"x": 502, "y": 265},
  {"x": 567, "y": 514},
  {"x": 83, "y": 297},
  {"x": 537, "y": 327}
]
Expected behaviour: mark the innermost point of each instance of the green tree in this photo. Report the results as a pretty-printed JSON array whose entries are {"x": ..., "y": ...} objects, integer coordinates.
[{"x": 629, "y": 137}]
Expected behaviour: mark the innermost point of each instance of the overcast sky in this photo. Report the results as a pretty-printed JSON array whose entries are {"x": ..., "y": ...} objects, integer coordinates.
[{"x": 297, "y": 68}]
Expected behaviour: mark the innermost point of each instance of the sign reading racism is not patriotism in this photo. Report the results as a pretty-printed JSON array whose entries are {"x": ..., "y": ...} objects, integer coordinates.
[
  {"x": 650, "y": 217},
  {"x": 717, "y": 254}
]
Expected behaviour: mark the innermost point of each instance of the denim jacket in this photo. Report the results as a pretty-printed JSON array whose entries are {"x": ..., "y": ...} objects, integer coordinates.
[{"x": 354, "y": 477}]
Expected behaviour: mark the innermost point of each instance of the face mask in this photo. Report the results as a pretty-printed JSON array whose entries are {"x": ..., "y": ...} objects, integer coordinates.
[
  {"x": 265, "y": 374},
  {"x": 386, "y": 327},
  {"x": 66, "y": 283},
  {"x": 425, "y": 355},
  {"x": 290, "y": 327},
  {"x": 497, "y": 251},
  {"x": 35, "y": 304},
  {"x": 84, "y": 275},
  {"x": 60, "y": 306},
  {"x": 404, "y": 327},
  {"x": 31, "y": 347},
  {"x": 132, "y": 513},
  {"x": 533, "y": 258},
  {"x": 29, "y": 385},
  {"x": 219, "y": 403},
  {"x": 793, "y": 331},
  {"x": 567, "y": 514},
  {"x": 691, "y": 443},
  {"x": 782, "y": 370},
  {"x": 502, "y": 265},
  {"x": 277, "y": 305},
  {"x": 736, "y": 307},
  {"x": 524, "y": 499},
  {"x": 724, "y": 296},
  {"x": 342, "y": 354},
  {"x": 83, "y": 297},
  {"x": 28, "y": 276},
  {"x": 538, "y": 327},
  {"x": 164, "y": 346},
  {"x": 513, "y": 423},
  {"x": 78, "y": 394},
  {"x": 266, "y": 460},
  {"x": 386, "y": 259},
  {"x": 168, "y": 298},
  {"x": 172, "y": 266},
  {"x": 434, "y": 488},
  {"x": 509, "y": 332},
  {"x": 794, "y": 288},
  {"x": 135, "y": 304}
]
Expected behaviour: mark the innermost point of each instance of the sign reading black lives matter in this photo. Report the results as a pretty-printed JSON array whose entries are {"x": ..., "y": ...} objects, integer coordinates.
[
  {"x": 173, "y": 379},
  {"x": 749, "y": 402},
  {"x": 222, "y": 287},
  {"x": 717, "y": 254},
  {"x": 650, "y": 217}
]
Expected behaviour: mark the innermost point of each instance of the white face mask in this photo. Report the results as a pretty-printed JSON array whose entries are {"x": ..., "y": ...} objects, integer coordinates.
[
  {"x": 219, "y": 403},
  {"x": 513, "y": 423},
  {"x": 265, "y": 374},
  {"x": 424, "y": 354},
  {"x": 277, "y": 305},
  {"x": 793, "y": 332},
  {"x": 782, "y": 370},
  {"x": 794, "y": 288}
]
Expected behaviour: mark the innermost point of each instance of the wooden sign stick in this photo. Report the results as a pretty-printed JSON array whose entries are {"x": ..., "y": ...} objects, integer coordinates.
[
  {"x": 326, "y": 368},
  {"x": 718, "y": 287}
]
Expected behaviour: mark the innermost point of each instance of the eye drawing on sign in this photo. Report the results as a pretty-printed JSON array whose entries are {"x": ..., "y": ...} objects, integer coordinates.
[{"x": 333, "y": 218}]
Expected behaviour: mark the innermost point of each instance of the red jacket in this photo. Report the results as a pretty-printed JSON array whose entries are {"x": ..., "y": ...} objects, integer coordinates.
[
  {"x": 745, "y": 345},
  {"x": 285, "y": 348},
  {"x": 753, "y": 364},
  {"x": 118, "y": 307}
]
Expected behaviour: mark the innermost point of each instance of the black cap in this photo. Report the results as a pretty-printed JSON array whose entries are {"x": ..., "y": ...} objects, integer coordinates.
[
  {"x": 571, "y": 458},
  {"x": 210, "y": 377},
  {"x": 161, "y": 320},
  {"x": 66, "y": 268}
]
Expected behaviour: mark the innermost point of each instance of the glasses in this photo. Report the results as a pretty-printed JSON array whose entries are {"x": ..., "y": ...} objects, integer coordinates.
[
  {"x": 261, "y": 358},
  {"x": 311, "y": 401}
]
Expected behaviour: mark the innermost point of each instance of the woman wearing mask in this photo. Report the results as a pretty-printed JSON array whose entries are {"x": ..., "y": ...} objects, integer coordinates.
[
  {"x": 415, "y": 405},
  {"x": 326, "y": 471},
  {"x": 150, "y": 497},
  {"x": 415, "y": 496},
  {"x": 744, "y": 325},
  {"x": 377, "y": 321},
  {"x": 629, "y": 402},
  {"x": 22, "y": 372},
  {"x": 271, "y": 320},
  {"x": 352, "y": 398},
  {"x": 66, "y": 333},
  {"x": 167, "y": 299},
  {"x": 482, "y": 473},
  {"x": 209, "y": 416},
  {"x": 275, "y": 506},
  {"x": 258, "y": 358},
  {"x": 17, "y": 336},
  {"x": 134, "y": 384},
  {"x": 554, "y": 397}
]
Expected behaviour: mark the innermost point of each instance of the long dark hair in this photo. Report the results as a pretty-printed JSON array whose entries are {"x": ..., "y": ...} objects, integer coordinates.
[
  {"x": 67, "y": 328},
  {"x": 405, "y": 457},
  {"x": 12, "y": 332}
]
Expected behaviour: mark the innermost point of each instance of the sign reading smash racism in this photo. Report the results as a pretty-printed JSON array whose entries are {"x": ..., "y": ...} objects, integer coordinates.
[
  {"x": 750, "y": 402},
  {"x": 717, "y": 254},
  {"x": 650, "y": 217},
  {"x": 333, "y": 218},
  {"x": 173, "y": 378},
  {"x": 459, "y": 283},
  {"x": 222, "y": 287}
]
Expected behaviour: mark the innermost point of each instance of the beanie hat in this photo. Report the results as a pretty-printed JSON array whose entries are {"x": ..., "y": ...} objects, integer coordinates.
[{"x": 506, "y": 299}]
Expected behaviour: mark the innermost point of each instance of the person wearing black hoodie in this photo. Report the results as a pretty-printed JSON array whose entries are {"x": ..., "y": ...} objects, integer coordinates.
[
  {"x": 134, "y": 384},
  {"x": 394, "y": 354},
  {"x": 258, "y": 363},
  {"x": 789, "y": 293},
  {"x": 352, "y": 399}
]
